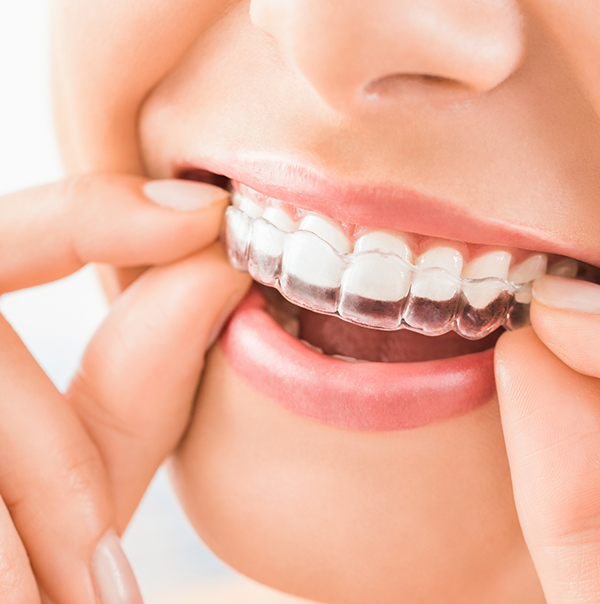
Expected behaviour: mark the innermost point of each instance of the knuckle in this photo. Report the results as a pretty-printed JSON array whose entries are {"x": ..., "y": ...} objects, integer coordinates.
[
  {"x": 76, "y": 188},
  {"x": 125, "y": 421},
  {"x": 80, "y": 196},
  {"x": 81, "y": 472},
  {"x": 87, "y": 200},
  {"x": 73, "y": 191},
  {"x": 77, "y": 479}
]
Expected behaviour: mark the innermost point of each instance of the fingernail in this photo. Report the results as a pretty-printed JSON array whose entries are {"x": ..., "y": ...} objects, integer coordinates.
[
  {"x": 183, "y": 195},
  {"x": 567, "y": 294},
  {"x": 229, "y": 307},
  {"x": 112, "y": 574}
]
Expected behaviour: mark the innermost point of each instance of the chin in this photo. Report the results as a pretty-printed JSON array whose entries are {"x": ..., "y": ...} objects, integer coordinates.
[{"x": 348, "y": 516}]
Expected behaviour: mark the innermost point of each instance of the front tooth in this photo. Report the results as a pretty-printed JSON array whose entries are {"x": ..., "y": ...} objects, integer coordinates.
[
  {"x": 266, "y": 245},
  {"x": 437, "y": 284},
  {"x": 342, "y": 357},
  {"x": 384, "y": 241},
  {"x": 311, "y": 272},
  {"x": 265, "y": 251},
  {"x": 247, "y": 206},
  {"x": 487, "y": 300},
  {"x": 523, "y": 274},
  {"x": 277, "y": 217},
  {"x": 374, "y": 287},
  {"x": 238, "y": 231},
  {"x": 447, "y": 258},
  {"x": 435, "y": 291},
  {"x": 532, "y": 268},
  {"x": 328, "y": 230},
  {"x": 312, "y": 347},
  {"x": 492, "y": 264}
]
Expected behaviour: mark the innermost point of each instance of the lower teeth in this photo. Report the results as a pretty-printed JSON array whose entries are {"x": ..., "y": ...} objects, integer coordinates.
[
  {"x": 341, "y": 357},
  {"x": 311, "y": 274}
]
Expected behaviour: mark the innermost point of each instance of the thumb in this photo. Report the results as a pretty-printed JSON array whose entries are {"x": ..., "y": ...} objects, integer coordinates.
[
  {"x": 549, "y": 394},
  {"x": 138, "y": 378}
]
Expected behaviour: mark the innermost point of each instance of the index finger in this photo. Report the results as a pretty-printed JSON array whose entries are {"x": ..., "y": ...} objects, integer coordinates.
[{"x": 51, "y": 231}]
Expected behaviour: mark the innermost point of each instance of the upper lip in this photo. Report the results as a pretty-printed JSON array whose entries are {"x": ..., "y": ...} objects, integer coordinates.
[{"x": 383, "y": 205}]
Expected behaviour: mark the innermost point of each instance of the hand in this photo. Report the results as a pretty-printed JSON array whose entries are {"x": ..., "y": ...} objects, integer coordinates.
[
  {"x": 548, "y": 379},
  {"x": 69, "y": 482}
]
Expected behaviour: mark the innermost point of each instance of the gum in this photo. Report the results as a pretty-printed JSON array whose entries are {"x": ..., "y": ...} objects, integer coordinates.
[{"x": 309, "y": 272}]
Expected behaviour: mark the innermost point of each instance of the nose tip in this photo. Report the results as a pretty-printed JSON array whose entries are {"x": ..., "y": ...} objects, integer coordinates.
[{"x": 354, "y": 52}]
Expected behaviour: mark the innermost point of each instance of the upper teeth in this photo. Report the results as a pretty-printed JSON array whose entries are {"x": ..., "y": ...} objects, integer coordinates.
[{"x": 376, "y": 280}]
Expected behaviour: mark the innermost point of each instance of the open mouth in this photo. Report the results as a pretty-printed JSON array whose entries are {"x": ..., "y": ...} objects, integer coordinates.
[
  {"x": 370, "y": 328},
  {"x": 382, "y": 279}
]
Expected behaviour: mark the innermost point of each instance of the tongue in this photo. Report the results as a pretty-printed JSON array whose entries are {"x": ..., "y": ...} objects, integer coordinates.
[{"x": 334, "y": 336}]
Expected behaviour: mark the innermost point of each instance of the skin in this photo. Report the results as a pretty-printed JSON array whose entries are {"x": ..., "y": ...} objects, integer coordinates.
[
  {"x": 74, "y": 465},
  {"x": 508, "y": 115}
]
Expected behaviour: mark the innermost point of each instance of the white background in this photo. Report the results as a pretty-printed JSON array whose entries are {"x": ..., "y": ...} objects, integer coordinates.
[{"x": 57, "y": 319}]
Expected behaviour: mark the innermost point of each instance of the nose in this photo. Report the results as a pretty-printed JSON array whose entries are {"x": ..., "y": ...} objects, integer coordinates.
[{"x": 363, "y": 51}]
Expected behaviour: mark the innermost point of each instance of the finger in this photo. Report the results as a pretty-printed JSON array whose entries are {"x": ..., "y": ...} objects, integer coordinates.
[
  {"x": 137, "y": 381},
  {"x": 566, "y": 317},
  {"x": 53, "y": 481},
  {"x": 551, "y": 421},
  {"x": 17, "y": 583},
  {"x": 51, "y": 231}
]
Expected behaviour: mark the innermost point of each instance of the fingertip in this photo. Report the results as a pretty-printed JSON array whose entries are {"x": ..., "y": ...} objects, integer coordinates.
[
  {"x": 112, "y": 574},
  {"x": 227, "y": 309},
  {"x": 129, "y": 221},
  {"x": 571, "y": 335},
  {"x": 512, "y": 346},
  {"x": 567, "y": 294},
  {"x": 184, "y": 195},
  {"x": 214, "y": 258}
]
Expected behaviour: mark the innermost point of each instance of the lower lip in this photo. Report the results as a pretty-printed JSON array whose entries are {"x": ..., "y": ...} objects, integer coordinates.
[{"x": 355, "y": 396}]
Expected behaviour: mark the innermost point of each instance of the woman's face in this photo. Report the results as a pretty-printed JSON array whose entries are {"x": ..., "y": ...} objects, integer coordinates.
[{"x": 471, "y": 121}]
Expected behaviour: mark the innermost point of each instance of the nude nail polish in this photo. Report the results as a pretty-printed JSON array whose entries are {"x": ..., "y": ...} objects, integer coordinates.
[
  {"x": 112, "y": 574},
  {"x": 183, "y": 195},
  {"x": 567, "y": 294}
]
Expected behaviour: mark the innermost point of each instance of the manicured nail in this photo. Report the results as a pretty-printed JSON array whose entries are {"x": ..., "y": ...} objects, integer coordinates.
[
  {"x": 567, "y": 294},
  {"x": 113, "y": 577},
  {"x": 183, "y": 195}
]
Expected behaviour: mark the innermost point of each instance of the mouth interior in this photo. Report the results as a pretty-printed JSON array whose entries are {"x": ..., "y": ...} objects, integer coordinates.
[
  {"x": 332, "y": 336},
  {"x": 199, "y": 175},
  {"x": 335, "y": 337}
]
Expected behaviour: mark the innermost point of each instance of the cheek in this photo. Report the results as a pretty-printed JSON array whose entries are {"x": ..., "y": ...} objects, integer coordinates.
[
  {"x": 108, "y": 57},
  {"x": 348, "y": 517}
]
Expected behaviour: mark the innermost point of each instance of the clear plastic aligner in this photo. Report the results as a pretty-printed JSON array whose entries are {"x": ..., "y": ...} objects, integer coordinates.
[{"x": 376, "y": 282}]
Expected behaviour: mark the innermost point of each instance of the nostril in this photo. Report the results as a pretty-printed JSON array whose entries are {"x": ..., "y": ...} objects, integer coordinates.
[
  {"x": 400, "y": 52},
  {"x": 417, "y": 85}
]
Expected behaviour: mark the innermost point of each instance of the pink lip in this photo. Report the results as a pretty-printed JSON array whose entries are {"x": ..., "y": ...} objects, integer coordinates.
[
  {"x": 357, "y": 396},
  {"x": 363, "y": 396},
  {"x": 382, "y": 205}
]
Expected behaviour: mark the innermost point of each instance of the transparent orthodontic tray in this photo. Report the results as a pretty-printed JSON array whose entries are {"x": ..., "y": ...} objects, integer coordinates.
[{"x": 376, "y": 289}]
